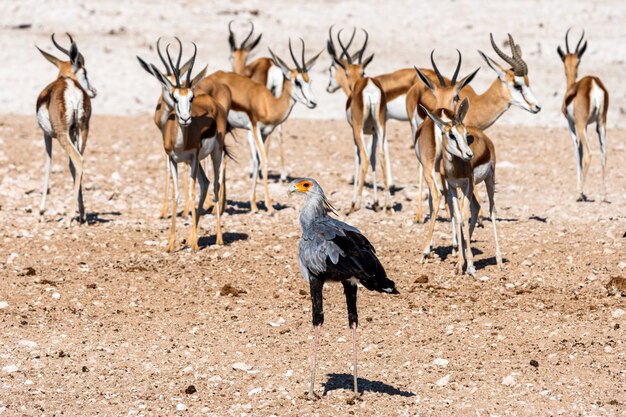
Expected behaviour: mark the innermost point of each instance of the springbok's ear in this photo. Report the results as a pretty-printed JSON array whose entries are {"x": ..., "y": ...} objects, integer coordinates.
[
  {"x": 311, "y": 62},
  {"x": 561, "y": 53},
  {"x": 440, "y": 123},
  {"x": 465, "y": 81},
  {"x": 185, "y": 67},
  {"x": 493, "y": 65},
  {"x": 582, "y": 50},
  {"x": 199, "y": 76},
  {"x": 462, "y": 110},
  {"x": 53, "y": 59},
  {"x": 167, "y": 84},
  {"x": 254, "y": 44},
  {"x": 367, "y": 61},
  {"x": 425, "y": 79},
  {"x": 74, "y": 55},
  {"x": 280, "y": 64},
  {"x": 145, "y": 66}
]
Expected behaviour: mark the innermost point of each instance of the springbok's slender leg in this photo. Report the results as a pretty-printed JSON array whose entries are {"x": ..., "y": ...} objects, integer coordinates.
[
  {"x": 419, "y": 215},
  {"x": 221, "y": 202},
  {"x": 359, "y": 182},
  {"x": 601, "y": 130},
  {"x": 194, "y": 167},
  {"x": 281, "y": 149},
  {"x": 372, "y": 155},
  {"x": 490, "y": 182},
  {"x": 453, "y": 202},
  {"x": 583, "y": 158},
  {"x": 468, "y": 194},
  {"x": 76, "y": 160},
  {"x": 187, "y": 191},
  {"x": 166, "y": 181},
  {"x": 263, "y": 157},
  {"x": 435, "y": 199},
  {"x": 174, "y": 175},
  {"x": 46, "y": 176}
]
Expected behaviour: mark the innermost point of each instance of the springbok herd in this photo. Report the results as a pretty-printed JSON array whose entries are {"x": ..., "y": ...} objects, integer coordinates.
[{"x": 448, "y": 122}]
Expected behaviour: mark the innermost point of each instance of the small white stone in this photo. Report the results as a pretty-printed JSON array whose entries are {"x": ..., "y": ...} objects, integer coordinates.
[
  {"x": 617, "y": 313},
  {"x": 56, "y": 295},
  {"x": 622, "y": 265},
  {"x": 254, "y": 391},
  {"x": 241, "y": 366},
  {"x": 608, "y": 349},
  {"x": 28, "y": 382},
  {"x": 508, "y": 380},
  {"x": 181, "y": 407},
  {"x": 442, "y": 382},
  {"x": 28, "y": 343},
  {"x": 150, "y": 243},
  {"x": 440, "y": 362},
  {"x": 341, "y": 339},
  {"x": 278, "y": 322},
  {"x": 289, "y": 373},
  {"x": 484, "y": 278},
  {"x": 9, "y": 369},
  {"x": 3, "y": 304}
]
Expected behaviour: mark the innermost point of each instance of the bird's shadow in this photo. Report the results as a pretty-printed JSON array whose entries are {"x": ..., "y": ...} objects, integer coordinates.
[{"x": 345, "y": 381}]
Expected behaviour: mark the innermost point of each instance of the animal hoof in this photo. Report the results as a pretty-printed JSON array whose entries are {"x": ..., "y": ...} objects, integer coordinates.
[
  {"x": 472, "y": 271},
  {"x": 352, "y": 400},
  {"x": 311, "y": 396},
  {"x": 376, "y": 206},
  {"x": 582, "y": 198}
]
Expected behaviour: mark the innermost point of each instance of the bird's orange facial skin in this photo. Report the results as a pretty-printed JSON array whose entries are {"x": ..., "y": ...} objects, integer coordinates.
[{"x": 304, "y": 186}]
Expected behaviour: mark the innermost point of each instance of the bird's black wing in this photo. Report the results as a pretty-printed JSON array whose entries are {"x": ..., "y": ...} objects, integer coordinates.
[{"x": 331, "y": 249}]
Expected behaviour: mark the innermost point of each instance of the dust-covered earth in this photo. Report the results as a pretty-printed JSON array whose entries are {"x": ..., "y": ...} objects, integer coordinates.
[{"x": 98, "y": 320}]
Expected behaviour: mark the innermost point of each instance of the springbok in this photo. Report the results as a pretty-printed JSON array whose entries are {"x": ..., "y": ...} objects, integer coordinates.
[
  {"x": 195, "y": 129},
  {"x": 395, "y": 85},
  {"x": 263, "y": 71},
  {"x": 586, "y": 101},
  {"x": 255, "y": 109},
  {"x": 511, "y": 87},
  {"x": 366, "y": 111},
  {"x": 63, "y": 112},
  {"x": 467, "y": 157}
]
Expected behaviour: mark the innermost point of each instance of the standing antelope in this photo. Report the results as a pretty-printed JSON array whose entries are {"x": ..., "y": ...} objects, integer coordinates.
[
  {"x": 395, "y": 85},
  {"x": 467, "y": 158},
  {"x": 366, "y": 112},
  {"x": 255, "y": 109},
  {"x": 195, "y": 128},
  {"x": 511, "y": 87},
  {"x": 63, "y": 112},
  {"x": 585, "y": 101},
  {"x": 442, "y": 96},
  {"x": 263, "y": 71}
]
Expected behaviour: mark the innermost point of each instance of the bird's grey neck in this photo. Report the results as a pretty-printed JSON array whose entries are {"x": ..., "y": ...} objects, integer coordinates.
[{"x": 314, "y": 207}]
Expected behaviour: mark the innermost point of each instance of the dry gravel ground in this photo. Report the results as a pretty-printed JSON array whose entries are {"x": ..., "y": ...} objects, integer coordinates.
[{"x": 98, "y": 320}]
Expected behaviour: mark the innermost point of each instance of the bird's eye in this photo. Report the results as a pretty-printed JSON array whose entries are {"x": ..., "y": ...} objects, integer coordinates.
[{"x": 306, "y": 184}]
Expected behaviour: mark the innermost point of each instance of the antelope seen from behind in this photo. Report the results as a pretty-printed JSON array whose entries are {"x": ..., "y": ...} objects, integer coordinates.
[
  {"x": 586, "y": 101},
  {"x": 63, "y": 112}
]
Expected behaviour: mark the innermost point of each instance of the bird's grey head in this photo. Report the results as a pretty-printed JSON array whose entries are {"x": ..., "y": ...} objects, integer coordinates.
[
  {"x": 316, "y": 202},
  {"x": 307, "y": 187}
]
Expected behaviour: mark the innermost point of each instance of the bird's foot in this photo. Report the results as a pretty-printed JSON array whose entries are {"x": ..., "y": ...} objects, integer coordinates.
[
  {"x": 353, "y": 399},
  {"x": 311, "y": 396},
  {"x": 582, "y": 197}
]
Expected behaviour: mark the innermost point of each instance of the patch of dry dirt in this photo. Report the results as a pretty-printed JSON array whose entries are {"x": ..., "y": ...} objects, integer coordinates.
[{"x": 99, "y": 320}]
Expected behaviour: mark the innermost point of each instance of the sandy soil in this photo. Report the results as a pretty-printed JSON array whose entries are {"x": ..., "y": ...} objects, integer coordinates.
[
  {"x": 402, "y": 34},
  {"x": 98, "y": 320}
]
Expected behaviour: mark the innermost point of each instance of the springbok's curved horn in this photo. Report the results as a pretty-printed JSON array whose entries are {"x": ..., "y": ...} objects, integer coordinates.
[
  {"x": 456, "y": 71},
  {"x": 442, "y": 82}
]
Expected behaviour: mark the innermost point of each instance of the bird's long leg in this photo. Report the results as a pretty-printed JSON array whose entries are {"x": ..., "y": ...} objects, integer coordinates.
[
  {"x": 353, "y": 319},
  {"x": 46, "y": 175},
  {"x": 316, "y": 287}
]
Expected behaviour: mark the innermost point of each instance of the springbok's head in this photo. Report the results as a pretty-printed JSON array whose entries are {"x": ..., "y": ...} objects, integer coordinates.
[
  {"x": 571, "y": 60},
  {"x": 178, "y": 96},
  {"x": 239, "y": 53},
  {"x": 445, "y": 95},
  {"x": 299, "y": 76},
  {"x": 345, "y": 70},
  {"x": 515, "y": 79},
  {"x": 453, "y": 132},
  {"x": 74, "y": 68}
]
